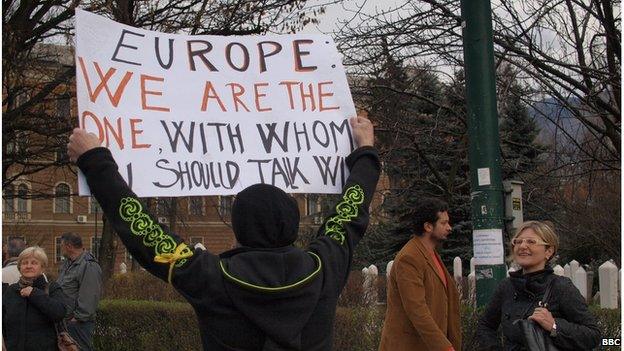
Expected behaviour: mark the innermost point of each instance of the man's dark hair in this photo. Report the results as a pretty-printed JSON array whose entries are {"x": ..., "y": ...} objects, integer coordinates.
[
  {"x": 15, "y": 247},
  {"x": 427, "y": 212},
  {"x": 72, "y": 239}
]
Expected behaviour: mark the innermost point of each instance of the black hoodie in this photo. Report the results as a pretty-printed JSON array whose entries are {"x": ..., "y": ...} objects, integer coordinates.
[{"x": 266, "y": 295}]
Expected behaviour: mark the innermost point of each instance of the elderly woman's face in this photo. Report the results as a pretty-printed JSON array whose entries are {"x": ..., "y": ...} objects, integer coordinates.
[
  {"x": 30, "y": 267},
  {"x": 530, "y": 251}
]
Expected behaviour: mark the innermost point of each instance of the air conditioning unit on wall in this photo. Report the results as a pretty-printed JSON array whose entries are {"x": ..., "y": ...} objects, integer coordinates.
[
  {"x": 81, "y": 219},
  {"x": 163, "y": 220}
]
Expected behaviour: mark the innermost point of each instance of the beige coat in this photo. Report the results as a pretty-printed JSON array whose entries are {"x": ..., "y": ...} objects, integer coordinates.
[{"x": 422, "y": 314}]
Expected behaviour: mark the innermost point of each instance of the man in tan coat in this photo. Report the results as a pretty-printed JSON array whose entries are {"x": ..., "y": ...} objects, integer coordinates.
[{"x": 423, "y": 302}]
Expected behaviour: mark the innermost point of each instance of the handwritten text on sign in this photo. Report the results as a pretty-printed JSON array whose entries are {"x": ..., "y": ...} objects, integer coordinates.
[{"x": 211, "y": 115}]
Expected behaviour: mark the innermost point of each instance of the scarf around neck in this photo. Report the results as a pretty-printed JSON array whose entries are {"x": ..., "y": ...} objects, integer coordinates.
[{"x": 37, "y": 282}]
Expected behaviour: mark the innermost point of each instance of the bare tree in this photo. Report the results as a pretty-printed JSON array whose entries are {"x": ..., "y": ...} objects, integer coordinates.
[
  {"x": 568, "y": 51},
  {"x": 35, "y": 87},
  {"x": 567, "y": 55}
]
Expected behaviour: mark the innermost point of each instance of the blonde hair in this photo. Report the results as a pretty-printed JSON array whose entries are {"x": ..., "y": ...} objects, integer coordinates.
[
  {"x": 33, "y": 251},
  {"x": 544, "y": 231}
]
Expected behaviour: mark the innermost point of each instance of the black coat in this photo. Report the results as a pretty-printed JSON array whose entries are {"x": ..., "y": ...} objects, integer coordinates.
[
  {"x": 249, "y": 298},
  {"x": 517, "y": 296},
  {"x": 28, "y": 322}
]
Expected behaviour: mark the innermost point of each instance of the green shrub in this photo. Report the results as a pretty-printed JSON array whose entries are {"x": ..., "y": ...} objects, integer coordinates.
[
  {"x": 140, "y": 285},
  {"x": 353, "y": 293},
  {"x": 123, "y": 325},
  {"x": 358, "y": 328},
  {"x": 610, "y": 324}
]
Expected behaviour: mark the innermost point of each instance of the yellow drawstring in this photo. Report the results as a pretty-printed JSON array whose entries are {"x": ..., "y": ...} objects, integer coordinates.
[{"x": 173, "y": 257}]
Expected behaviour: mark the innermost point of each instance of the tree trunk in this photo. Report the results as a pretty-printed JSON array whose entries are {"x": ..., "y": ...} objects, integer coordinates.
[
  {"x": 107, "y": 250},
  {"x": 173, "y": 214}
]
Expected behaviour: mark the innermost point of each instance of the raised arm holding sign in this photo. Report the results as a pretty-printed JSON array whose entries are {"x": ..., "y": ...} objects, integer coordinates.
[{"x": 266, "y": 294}]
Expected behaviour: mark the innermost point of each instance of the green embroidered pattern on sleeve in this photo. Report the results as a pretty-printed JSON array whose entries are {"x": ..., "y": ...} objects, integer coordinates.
[
  {"x": 346, "y": 210},
  {"x": 142, "y": 225}
]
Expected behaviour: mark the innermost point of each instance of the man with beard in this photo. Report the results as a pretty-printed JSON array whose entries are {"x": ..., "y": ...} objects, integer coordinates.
[{"x": 423, "y": 301}]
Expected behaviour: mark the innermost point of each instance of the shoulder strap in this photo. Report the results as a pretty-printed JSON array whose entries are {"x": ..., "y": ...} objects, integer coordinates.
[
  {"x": 543, "y": 301},
  {"x": 547, "y": 291}
]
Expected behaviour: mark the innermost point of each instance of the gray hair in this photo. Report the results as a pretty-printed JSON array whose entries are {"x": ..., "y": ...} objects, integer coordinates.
[{"x": 33, "y": 251}]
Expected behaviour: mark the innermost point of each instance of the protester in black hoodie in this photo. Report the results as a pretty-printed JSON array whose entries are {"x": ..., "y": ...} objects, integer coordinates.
[{"x": 267, "y": 294}]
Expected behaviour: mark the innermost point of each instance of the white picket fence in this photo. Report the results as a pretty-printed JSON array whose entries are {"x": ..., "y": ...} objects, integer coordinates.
[{"x": 608, "y": 277}]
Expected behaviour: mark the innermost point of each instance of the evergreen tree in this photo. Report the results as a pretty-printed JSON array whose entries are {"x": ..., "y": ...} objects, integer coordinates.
[
  {"x": 422, "y": 135},
  {"x": 518, "y": 130}
]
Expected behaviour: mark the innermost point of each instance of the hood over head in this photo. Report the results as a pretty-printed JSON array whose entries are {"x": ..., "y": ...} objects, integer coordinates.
[{"x": 264, "y": 216}]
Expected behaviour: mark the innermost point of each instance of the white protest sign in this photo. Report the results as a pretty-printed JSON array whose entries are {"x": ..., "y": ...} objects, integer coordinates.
[{"x": 210, "y": 115}]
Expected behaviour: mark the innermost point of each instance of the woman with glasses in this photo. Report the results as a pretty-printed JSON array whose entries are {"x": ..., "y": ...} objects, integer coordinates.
[{"x": 564, "y": 316}]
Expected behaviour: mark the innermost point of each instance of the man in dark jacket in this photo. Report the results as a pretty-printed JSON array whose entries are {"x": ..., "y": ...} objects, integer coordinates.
[
  {"x": 80, "y": 276},
  {"x": 266, "y": 294}
]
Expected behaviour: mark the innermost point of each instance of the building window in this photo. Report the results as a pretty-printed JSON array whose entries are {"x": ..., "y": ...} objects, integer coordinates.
[
  {"x": 196, "y": 206},
  {"x": 58, "y": 256},
  {"x": 8, "y": 199},
  {"x": 311, "y": 204},
  {"x": 16, "y": 203},
  {"x": 225, "y": 205},
  {"x": 94, "y": 206},
  {"x": 163, "y": 206},
  {"x": 196, "y": 240},
  {"x": 61, "y": 198},
  {"x": 16, "y": 145},
  {"x": 95, "y": 246},
  {"x": 22, "y": 198},
  {"x": 328, "y": 202}
]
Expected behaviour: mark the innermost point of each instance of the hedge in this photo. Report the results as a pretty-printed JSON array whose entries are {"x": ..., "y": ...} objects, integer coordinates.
[
  {"x": 123, "y": 325},
  {"x": 154, "y": 325},
  {"x": 140, "y": 285}
]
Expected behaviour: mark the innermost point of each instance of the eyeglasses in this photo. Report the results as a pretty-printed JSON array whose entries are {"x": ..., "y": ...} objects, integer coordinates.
[{"x": 528, "y": 241}]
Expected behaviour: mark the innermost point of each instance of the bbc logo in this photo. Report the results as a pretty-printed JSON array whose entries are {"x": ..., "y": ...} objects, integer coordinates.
[{"x": 611, "y": 342}]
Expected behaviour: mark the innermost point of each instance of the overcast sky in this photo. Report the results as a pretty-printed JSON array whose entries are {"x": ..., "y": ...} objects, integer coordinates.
[{"x": 345, "y": 11}]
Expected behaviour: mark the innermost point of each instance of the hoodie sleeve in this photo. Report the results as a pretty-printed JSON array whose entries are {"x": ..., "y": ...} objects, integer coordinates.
[
  {"x": 159, "y": 251},
  {"x": 343, "y": 229}
]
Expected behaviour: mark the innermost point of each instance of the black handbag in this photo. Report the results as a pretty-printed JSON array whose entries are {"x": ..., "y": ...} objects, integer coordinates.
[{"x": 535, "y": 337}]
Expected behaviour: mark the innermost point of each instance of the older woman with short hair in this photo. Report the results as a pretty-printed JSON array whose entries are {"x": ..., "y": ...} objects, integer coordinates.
[
  {"x": 31, "y": 306},
  {"x": 565, "y": 319}
]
